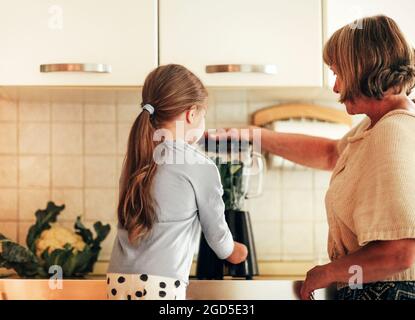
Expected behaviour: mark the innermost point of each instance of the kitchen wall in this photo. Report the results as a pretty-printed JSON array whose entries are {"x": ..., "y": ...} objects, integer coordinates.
[{"x": 67, "y": 145}]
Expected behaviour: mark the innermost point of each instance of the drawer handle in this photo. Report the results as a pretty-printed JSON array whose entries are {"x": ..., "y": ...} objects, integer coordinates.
[
  {"x": 249, "y": 68},
  {"x": 76, "y": 67}
]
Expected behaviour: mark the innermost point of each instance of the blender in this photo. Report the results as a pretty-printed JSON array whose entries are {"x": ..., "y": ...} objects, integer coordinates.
[{"x": 238, "y": 165}]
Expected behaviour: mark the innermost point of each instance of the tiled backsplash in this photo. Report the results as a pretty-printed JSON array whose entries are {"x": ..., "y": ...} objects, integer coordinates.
[{"x": 67, "y": 145}]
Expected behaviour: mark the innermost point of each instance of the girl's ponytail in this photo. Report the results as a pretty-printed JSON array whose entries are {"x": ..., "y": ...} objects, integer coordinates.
[{"x": 135, "y": 208}]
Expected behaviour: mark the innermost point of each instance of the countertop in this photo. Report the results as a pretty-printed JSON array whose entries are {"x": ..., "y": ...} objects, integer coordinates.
[
  {"x": 277, "y": 281},
  {"x": 89, "y": 289}
]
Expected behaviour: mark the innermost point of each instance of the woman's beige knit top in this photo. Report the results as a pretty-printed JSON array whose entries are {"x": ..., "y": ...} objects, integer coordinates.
[{"x": 372, "y": 189}]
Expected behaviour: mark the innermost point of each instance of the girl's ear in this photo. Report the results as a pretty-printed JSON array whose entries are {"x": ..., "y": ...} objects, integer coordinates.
[{"x": 191, "y": 114}]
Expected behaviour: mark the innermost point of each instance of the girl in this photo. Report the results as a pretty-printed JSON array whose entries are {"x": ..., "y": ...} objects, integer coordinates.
[{"x": 161, "y": 203}]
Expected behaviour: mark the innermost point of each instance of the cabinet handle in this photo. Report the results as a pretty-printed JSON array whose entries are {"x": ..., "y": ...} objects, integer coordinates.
[
  {"x": 250, "y": 68},
  {"x": 76, "y": 67}
]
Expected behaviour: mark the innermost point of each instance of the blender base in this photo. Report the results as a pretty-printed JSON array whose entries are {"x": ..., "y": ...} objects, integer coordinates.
[{"x": 210, "y": 267}]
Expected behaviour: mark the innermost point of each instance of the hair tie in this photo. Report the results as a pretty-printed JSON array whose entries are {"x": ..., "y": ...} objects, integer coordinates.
[{"x": 149, "y": 108}]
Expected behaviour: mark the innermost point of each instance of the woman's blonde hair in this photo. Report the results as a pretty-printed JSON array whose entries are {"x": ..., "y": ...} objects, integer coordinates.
[{"x": 371, "y": 56}]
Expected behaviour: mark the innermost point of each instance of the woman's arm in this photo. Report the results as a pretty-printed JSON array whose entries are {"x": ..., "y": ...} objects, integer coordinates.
[
  {"x": 309, "y": 151},
  {"x": 378, "y": 260},
  {"x": 313, "y": 152}
]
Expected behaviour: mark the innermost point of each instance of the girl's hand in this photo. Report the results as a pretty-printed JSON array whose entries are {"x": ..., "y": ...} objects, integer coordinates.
[
  {"x": 239, "y": 254},
  {"x": 317, "y": 278}
]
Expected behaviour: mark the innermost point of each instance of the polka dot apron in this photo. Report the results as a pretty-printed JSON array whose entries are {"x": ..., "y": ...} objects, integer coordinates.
[{"x": 144, "y": 287}]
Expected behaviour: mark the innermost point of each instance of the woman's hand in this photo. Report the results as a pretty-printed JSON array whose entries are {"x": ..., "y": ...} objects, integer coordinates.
[
  {"x": 233, "y": 133},
  {"x": 378, "y": 259},
  {"x": 239, "y": 253},
  {"x": 317, "y": 278}
]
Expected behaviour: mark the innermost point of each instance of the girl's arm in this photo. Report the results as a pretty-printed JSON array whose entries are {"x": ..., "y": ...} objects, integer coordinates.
[
  {"x": 377, "y": 260},
  {"x": 211, "y": 209}
]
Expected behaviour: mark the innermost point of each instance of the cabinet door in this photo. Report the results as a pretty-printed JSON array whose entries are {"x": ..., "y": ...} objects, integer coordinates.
[
  {"x": 341, "y": 12},
  {"x": 281, "y": 37},
  {"x": 121, "y": 35}
]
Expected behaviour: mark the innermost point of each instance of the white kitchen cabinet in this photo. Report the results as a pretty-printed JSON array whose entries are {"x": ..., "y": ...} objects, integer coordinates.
[
  {"x": 340, "y": 12},
  {"x": 284, "y": 36},
  {"x": 118, "y": 35}
]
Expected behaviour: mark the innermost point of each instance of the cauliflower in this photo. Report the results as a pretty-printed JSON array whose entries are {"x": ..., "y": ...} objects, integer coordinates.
[{"x": 56, "y": 237}]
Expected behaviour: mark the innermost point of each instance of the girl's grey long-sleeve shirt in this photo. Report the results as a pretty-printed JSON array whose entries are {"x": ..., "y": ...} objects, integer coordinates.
[{"x": 188, "y": 194}]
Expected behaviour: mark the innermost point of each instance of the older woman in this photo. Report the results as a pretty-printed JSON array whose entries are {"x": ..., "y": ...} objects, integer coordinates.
[{"x": 371, "y": 199}]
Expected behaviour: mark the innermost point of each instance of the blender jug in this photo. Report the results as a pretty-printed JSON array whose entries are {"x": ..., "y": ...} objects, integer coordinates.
[
  {"x": 238, "y": 179},
  {"x": 241, "y": 171}
]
